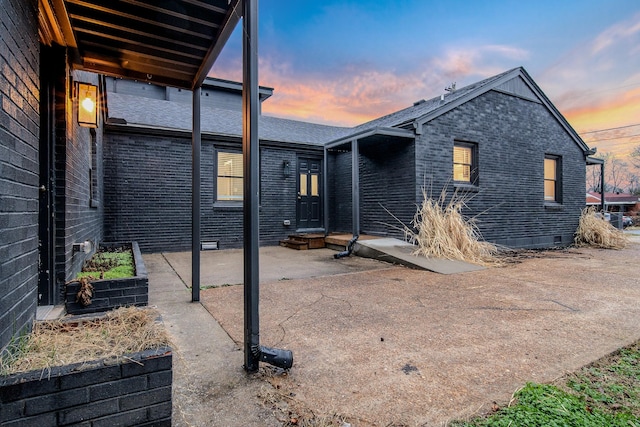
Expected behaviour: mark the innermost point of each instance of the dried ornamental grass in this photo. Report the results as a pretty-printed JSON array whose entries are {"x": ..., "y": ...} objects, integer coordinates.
[
  {"x": 56, "y": 343},
  {"x": 593, "y": 230},
  {"x": 443, "y": 232}
]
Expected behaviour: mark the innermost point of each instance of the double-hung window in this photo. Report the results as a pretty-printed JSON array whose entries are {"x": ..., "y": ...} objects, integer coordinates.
[
  {"x": 465, "y": 164},
  {"x": 230, "y": 177},
  {"x": 552, "y": 179}
]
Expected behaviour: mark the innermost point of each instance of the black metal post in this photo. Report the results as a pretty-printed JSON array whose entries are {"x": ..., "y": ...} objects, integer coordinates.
[
  {"x": 325, "y": 194},
  {"x": 250, "y": 151},
  {"x": 355, "y": 186},
  {"x": 602, "y": 201},
  {"x": 195, "y": 197}
]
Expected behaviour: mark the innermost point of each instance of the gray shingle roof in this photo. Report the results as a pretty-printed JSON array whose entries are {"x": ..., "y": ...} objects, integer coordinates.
[
  {"x": 161, "y": 114},
  {"x": 173, "y": 115},
  {"x": 423, "y": 107}
]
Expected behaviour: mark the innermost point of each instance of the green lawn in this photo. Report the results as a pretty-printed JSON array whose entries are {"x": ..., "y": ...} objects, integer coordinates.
[{"x": 603, "y": 394}]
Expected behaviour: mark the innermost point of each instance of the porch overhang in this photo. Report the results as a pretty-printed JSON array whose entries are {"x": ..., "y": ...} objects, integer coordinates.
[
  {"x": 371, "y": 135},
  {"x": 594, "y": 161},
  {"x": 168, "y": 43},
  {"x": 353, "y": 142}
]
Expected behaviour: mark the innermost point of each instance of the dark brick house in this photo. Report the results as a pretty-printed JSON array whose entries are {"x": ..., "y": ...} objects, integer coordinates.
[
  {"x": 500, "y": 142},
  {"x": 129, "y": 178}
]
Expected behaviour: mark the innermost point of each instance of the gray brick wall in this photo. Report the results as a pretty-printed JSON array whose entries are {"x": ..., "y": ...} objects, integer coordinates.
[
  {"x": 104, "y": 394},
  {"x": 340, "y": 191},
  {"x": 389, "y": 167},
  {"x": 148, "y": 192},
  {"x": 79, "y": 216},
  {"x": 19, "y": 131},
  {"x": 513, "y": 136}
]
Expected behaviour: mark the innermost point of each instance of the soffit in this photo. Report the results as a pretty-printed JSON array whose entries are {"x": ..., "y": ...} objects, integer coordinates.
[{"x": 168, "y": 42}]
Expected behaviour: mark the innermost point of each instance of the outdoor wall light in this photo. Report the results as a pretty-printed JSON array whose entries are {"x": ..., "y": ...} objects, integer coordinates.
[
  {"x": 87, "y": 96},
  {"x": 286, "y": 168}
]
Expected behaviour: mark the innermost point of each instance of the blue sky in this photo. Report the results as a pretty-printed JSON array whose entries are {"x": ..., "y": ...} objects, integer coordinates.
[{"x": 346, "y": 62}]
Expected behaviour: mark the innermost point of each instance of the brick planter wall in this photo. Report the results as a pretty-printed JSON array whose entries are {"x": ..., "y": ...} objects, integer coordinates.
[
  {"x": 95, "y": 394},
  {"x": 113, "y": 293}
]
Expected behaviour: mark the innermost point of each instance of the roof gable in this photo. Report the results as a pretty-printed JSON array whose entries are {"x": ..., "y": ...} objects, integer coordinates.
[
  {"x": 518, "y": 87},
  {"x": 516, "y": 82}
]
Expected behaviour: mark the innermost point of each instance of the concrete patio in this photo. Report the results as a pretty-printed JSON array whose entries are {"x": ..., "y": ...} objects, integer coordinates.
[{"x": 381, "y": 344}]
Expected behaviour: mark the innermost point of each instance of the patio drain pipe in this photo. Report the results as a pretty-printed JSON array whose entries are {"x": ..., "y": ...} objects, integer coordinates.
[
  {"x": 350, "y": 245},
  {"x": 274, "y": 356}
]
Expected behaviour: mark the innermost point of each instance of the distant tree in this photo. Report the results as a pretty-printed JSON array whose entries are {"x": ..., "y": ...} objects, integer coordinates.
[
  {"x": 635, "y": 157},
  {"x": 593, "y": 178},
  {"x": 618, "y": 177}
]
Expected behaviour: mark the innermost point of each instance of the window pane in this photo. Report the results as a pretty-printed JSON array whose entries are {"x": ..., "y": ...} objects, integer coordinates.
[
  {"x": 314, "y": 185},
  {"x": 462, "y": 155},
  {"x": 303, "y": 184},
  {"x": 550, "y": 169},
  {"x": 549, "y": 190},
  {"x": 230, "y": 177},
  {"x": 230, "y": 164},
  {"x": 229, "y": 188},
  {"x": 462, "y": 173}
]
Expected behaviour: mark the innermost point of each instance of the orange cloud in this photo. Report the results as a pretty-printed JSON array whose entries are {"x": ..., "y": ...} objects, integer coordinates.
[
  {"x": 357, "y": 93},
  {"x": 621, "y": 110}
]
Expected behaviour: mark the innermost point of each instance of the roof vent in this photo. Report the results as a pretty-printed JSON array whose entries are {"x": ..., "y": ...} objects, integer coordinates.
[{"x": 422, "y": 101}]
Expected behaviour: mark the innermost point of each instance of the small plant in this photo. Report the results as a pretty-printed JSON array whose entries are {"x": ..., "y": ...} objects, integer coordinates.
[
  {"x": 109, "y": 264},
  {"x": 17, "y": 348}
]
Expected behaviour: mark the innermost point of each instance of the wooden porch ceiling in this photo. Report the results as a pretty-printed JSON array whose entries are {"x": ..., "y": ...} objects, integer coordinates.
[{"x": 173, "y": 43}]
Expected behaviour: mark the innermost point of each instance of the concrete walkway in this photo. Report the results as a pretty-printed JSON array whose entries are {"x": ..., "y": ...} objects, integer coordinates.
[{"x": 210, "y": 387}]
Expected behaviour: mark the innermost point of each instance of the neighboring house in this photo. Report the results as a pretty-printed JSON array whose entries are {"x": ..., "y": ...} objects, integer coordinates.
[
  {"x": 498, "y": 143},
  {"x": 615, "y": 202}
]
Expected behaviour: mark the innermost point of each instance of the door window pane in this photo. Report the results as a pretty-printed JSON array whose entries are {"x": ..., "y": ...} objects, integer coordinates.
[
  {"x": 315, "y": 191},
  {"x": 303, "y": 184}
]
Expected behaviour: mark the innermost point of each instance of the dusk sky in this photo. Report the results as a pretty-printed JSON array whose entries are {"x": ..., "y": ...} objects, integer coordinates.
[{"x": 347, "y": 62}]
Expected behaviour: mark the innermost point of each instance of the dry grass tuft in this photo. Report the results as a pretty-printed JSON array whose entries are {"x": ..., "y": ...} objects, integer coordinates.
[
  {"x": 441, "y": 231},
  {"x": 56, "y": 343},
  {"x": 593, "y": 230}
]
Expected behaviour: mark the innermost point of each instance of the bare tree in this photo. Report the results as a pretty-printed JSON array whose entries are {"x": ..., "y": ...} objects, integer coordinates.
[
  {"x": 593, "y": 177},
  {"x": 635, "y": 157},
  {"x": 618, "y": 174}
]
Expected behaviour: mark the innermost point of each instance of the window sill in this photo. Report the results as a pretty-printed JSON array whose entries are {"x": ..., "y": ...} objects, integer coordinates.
[
  {"x": 553, "y": 206},
  {"x": 227, "y": 204},
  {"x": 469, "y": 188}
]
